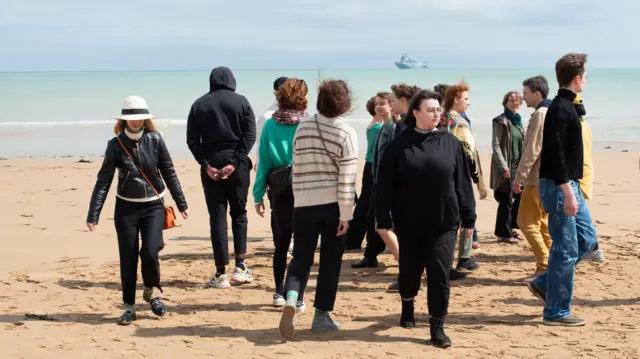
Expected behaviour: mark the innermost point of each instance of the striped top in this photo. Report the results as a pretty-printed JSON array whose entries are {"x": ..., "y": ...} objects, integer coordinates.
[{"x": 316, "y": 179}]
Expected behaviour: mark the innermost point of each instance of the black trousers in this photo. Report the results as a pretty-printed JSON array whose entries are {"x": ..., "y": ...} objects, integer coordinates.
[
  {"x": 433, "y": 252},
  {"x": 131, "y": 220},
  {"x": 363, "y": 221},
  {"x": 282, "y": 229},
  {"x": 507, "y": 216},
  {"x": 309, "y": 223},
  {"x": 233, "y": 193}
]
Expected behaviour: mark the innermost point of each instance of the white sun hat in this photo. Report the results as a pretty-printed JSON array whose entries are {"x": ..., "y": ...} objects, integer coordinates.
[{"x": 135, "y": 108}]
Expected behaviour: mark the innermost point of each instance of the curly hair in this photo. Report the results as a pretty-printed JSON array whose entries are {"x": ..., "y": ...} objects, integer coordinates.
[
  {"x": 441, "y": 89},
  {"x": 334, "y": 98},
  {"x": 404, "y": 91},
  {"x": 121, "y": 124},
  {"x": 371, "y": 106},
  {"x": 453, "y": 93},
  {"x": 292, "y": 95}
]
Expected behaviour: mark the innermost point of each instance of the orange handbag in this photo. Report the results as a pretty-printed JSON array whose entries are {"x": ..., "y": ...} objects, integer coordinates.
[{"x": 169, "y": 213}]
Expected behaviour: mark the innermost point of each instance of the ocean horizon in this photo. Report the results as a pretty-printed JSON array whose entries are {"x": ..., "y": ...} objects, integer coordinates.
[{"x": 70, "y": 113}]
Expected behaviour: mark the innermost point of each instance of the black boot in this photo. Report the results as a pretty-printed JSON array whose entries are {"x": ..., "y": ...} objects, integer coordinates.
[
  {"x": 406, "y": 318},
  {"x": 438, "y": 337},
  {"x": 365, "y": 263}
]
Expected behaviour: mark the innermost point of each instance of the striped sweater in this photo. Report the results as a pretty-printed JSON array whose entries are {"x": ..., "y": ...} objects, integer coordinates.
[{"x": 316, "y": 179}]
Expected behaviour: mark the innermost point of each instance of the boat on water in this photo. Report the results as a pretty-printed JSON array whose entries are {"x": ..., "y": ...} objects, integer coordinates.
[{"x": 407, "y": 62}]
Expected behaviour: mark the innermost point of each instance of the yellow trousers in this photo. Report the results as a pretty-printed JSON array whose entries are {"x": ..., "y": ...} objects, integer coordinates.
[{"x": 532, "y": 220}]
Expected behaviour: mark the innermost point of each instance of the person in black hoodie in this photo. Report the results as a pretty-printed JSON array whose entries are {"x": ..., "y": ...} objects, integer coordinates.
[
  {"x": 424, "y": 184},
  {"x": 221, "y": 130},
  {"x": 143, "y": 162}
]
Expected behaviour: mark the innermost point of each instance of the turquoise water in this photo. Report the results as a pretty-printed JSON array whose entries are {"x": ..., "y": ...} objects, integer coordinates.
[{"x": 70, "y": 113}]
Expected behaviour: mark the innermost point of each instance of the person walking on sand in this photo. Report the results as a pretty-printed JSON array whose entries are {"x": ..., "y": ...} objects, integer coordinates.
[
  {"x": 507, "y": 140},
  {"x": 144, "y": 165},
  {"x": 274, "y": 170},
  {"x": 325, "y": 162},
  {"x": 561, "y": 167},
  {"x": 424, "y": 184},
  {"x": 363, "y": 221},
  {"x": 268, "y": 113},
  {"x": 456, "y": 101},
  {"x": 532, "y": 219},
  {"x": 401, "y": 95},
  {"x": 221, "y": 130},
  {"x": 586, "y": 182}
]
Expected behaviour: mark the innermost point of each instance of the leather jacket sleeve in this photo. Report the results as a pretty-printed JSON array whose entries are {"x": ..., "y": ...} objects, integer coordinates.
[
  {"x": 170, "y": 177},
  {"x": 103, "y": 183}
]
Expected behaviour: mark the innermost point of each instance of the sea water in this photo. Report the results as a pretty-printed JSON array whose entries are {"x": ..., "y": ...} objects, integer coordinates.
[{"x": 52, "y": 114}]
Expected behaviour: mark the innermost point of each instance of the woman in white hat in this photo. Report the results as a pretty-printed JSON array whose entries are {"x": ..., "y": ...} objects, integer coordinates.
[{"x": 144, "y": 165}]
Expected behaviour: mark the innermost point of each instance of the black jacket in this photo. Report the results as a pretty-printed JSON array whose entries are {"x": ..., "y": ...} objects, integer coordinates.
[
  {"x": 424, "y": 182},
  {"x": 151, "y": 154},
  {"x": 221, "y": 127},
  {"x": 561, "y": 158}
]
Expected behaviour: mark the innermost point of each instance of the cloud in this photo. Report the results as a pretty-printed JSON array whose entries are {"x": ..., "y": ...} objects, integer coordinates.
[{"x": 448, "y": 33}]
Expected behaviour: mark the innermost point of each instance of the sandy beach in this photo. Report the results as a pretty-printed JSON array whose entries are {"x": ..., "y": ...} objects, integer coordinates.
[{"x": 50, "y": 264}]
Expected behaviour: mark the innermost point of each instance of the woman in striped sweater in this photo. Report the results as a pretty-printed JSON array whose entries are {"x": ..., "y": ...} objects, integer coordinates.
[{"x": 325, "y": 161}]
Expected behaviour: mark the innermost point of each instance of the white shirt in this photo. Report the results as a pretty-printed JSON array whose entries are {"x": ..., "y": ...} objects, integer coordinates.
[{"x": 260, "y": 124}]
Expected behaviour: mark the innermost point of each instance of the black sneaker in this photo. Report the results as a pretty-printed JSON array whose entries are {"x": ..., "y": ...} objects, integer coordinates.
[
  {"x": 467, "y": 264},
  {"x": 365, "y": 263},
  {"x": 127, "y": 318},
  {"x": 537, "y": 292},
  {"x": 407, "y": 319},
  {"x": 438, "y": 337},
  {"x": 455, "y": 274},
  {"x": 157, "y": 307}
]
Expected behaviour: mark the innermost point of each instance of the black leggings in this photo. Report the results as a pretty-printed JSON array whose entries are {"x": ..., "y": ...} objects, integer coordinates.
[
  {"x": 146, "y": 219},
  {"x": 433, "y": 251},
  {"x": 282, "y": 229}
]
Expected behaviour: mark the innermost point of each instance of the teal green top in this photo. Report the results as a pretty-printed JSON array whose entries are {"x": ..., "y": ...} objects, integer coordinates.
[
  {"x": 372, "y": 135},
  {"x": 276, "y": 150},
  {"x": 517, "y": 141}
]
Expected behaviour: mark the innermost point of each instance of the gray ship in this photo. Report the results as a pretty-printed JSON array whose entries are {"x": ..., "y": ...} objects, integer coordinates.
[{"x": 407, "y": 62}]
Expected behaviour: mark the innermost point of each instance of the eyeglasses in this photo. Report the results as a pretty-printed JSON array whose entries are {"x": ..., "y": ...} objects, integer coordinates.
[{"x": 433, "y": 110}]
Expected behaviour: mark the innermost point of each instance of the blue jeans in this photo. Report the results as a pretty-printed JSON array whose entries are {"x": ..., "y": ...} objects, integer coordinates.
[{"x": 572, "y": 238}]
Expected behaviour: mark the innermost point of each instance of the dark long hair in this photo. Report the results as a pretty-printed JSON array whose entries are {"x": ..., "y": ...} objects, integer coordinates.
[{"x": 415, "y": 103}]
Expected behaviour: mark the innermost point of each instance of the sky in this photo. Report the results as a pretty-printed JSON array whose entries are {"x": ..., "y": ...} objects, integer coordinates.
[{"x": 46, "y": 35}]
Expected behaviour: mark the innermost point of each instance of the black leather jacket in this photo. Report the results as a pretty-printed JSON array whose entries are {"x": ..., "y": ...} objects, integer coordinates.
[{"x": 151, "y": 154}]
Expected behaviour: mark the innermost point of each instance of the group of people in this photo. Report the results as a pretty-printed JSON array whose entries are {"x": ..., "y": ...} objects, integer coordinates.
[{"x": 417, "y": 198}]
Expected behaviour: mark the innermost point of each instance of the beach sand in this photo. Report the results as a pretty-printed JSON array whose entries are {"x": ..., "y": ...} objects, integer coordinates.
[{"x": 50, "y": 264}]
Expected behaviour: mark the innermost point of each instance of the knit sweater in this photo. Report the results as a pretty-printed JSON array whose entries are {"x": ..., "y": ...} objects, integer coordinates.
[{"x": 316, "y": 179}]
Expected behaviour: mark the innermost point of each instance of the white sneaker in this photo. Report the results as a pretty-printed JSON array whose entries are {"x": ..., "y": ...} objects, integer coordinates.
[
  {"x": 597, "y": 255},
  {"x": 241, "y": 275},
  {"x": 220, "y": 281},
  {"x": 278, "y": 300},
  {"x": 300, "y": 307}
]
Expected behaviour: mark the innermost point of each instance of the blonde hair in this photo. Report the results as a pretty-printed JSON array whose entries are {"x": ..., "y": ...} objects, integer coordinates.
[{"x": 121, "y": 124}]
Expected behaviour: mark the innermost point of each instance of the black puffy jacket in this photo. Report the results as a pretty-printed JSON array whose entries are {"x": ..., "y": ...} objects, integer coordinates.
[{"x": 151, "y": 154}]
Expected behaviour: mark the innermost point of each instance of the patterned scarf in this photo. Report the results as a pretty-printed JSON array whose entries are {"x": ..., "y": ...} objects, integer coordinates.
[{"x": 289, "y": 117}]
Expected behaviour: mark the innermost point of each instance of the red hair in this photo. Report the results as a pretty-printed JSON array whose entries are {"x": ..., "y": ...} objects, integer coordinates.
[{"x": 453, "y": 93}]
